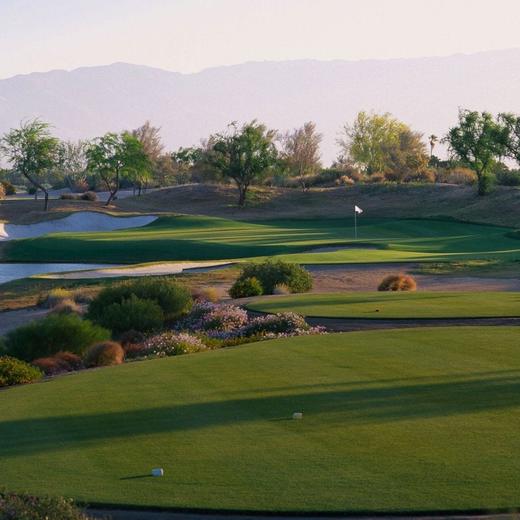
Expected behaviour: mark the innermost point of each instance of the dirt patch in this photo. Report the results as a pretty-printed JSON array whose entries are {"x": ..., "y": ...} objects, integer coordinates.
[
  {"x": 339, "y": 278},
  {"x": 11, "y": 320}
]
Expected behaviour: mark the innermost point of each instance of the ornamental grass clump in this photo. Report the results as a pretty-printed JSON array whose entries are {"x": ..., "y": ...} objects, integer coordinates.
[
  {"x": 105, "y": 354},
  {"x": 398, "y": 282},
  {"x": 59, "y": 363}
]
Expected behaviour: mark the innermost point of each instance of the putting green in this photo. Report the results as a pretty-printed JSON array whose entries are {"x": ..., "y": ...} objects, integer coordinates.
[
  {"x": 407, "y": 420},
  {"x": 207, "y": 238},
  {"x": 376, "y": 305}
]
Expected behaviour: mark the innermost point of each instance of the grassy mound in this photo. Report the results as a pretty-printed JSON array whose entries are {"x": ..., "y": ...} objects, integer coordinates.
[
  {"x": 376, "y": 305},
  {"x": 208, "y": 238},
  {"x": 392, "y": 421}
]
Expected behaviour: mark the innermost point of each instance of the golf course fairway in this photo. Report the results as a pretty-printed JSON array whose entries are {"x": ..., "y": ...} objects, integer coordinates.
[
  {"x": 404, "y": 420},
  {"x": 302, "y": 241},
  {"x": 398, "y": 305}
]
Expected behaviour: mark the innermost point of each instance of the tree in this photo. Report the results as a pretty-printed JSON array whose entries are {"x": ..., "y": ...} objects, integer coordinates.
[
  {"x": 150, "y": 138},
  {"x": 301, "y": 151},
  {"x": 243, "y": 154},
  {"x": 117, "y": 156},
  {"x": 433, "y": 139},
  {"x": 477, "y": 141},
  {"x": 72, "y": 163},
  {"x": 32, "y": 151},
  {"x": 407, "y": 157},
  {"x": 511, "y": 135}
]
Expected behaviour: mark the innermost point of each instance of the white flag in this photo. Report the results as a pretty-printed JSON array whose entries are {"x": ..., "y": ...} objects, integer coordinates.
[{"x": 357, "y": 209}]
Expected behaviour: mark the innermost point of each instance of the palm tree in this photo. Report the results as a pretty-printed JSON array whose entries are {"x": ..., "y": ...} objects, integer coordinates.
[{"x": 433, "y": 140}]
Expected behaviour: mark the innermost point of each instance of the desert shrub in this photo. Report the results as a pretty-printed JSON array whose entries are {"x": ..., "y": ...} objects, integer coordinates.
[
  {"x": 9, "y": 188},
  {"x": 84, "y": 294},
  {"x": 508, "y": 177},
  {"x": 174, "y": 299},
  {"x": 171, "y": 344},
  {"x": 16, "y": 372},
  {"x": 67, "y": 307},
  {"x": 344, "y": 180},
  {"x": 376, "y": 178},
  {"x": 282, "y": 323},
  {"x": 272, "y": 273},
  {"x": 20, "y": 506},
  {"x": 397, "y": 282},
  {"x": 104, "y": 354},
  {"x": 58, "y": 295},
  {"x": 59, "y": 363},
  {"x": 281, "y": 288},
  {"x": 80, "y": 186},
  {"x": 208, "y": 294},
  {"x": 245, "y": 287},
  {"x": 52, "y": 334},
  {"x": 423, "y": 176},
  {"x": 458, "y": 175},
  {"x": 2, "y": 192},
  {"x": 132, "y": 314},
  {"x": 90, "y": 196}
]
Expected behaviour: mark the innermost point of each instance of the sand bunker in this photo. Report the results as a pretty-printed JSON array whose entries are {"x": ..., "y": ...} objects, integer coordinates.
[
  {"x": 81, "y": 221},
  {"x": 165, "y": 268}
]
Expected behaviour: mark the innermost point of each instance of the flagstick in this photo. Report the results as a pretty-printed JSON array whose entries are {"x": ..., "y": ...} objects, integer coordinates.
[{"x": 355, "y": 223}]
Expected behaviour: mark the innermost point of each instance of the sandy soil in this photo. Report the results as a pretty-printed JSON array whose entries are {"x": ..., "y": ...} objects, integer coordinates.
[
  {"x": 165, "y": 268},
  {"x": 337, "y": 278}
]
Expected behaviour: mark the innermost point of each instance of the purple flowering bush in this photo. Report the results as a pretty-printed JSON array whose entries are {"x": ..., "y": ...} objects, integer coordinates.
[
  {"x": 215, "y": 320},
  {"x": 170, "y": 344},
  {"x": 280, "y": 325}
]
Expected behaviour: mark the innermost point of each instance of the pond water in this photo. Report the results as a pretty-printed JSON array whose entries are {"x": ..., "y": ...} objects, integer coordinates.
[{"x": 11, "y": 271}]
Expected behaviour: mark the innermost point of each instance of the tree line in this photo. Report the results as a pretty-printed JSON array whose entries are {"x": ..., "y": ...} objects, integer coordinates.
[{"x": 372, "y": 145}]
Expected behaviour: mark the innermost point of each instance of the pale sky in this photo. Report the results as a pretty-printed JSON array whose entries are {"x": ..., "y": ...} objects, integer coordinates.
[{"x": 190, "y": 35}]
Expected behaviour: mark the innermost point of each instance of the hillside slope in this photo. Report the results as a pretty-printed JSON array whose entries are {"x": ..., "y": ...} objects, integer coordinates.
[{"x": 502, "y": 207}]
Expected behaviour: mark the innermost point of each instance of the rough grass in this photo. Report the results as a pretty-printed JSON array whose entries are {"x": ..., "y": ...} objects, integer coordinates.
[
  {"x": 377, "y": 305},
  {"x": 208, "y": 238},
  {"x": 392, "y": 421}
]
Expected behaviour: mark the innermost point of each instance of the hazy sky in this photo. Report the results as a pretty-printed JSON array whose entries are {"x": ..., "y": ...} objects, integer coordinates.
[{"x": 189, "y": 35}]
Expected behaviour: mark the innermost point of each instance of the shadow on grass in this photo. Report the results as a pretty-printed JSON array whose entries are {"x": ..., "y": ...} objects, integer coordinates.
[{"x": 343, "y": 405}]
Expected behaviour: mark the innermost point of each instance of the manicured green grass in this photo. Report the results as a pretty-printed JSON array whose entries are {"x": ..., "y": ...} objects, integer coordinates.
[
  {"x": 208, "y": 238},
  {"x": 393, "y": 421},
  {"x": 376, "y": 305}
]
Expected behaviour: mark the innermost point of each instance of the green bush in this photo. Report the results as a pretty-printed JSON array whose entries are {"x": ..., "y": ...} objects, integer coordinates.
[
  {"x": 89, "y": 196},
  {"x": 173, "y": 299},
  {"x": 245, "y": 287},
  {"x": 508, "y": 177},
  {"x": 16, "y": 372},
  {"x": 20, "y": 506},
  {"x": 273, "y": 273},
  {"x": 132, "y": 314},
  {"x": 52, "y": 334},
  {"x": 105, "y": 354}
]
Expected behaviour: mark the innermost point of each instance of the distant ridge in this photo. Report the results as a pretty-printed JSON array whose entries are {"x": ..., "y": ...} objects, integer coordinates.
[{"x": 425, "y": 92}]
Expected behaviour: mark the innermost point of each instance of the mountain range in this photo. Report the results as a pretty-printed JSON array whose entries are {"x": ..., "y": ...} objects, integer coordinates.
[{"x": 424, "y": 92}]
